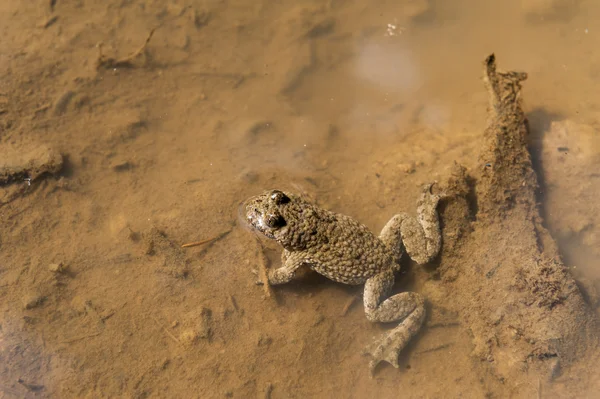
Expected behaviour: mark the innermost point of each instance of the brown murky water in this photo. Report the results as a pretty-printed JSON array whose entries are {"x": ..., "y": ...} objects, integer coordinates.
[{"x": 355, "y": 103}]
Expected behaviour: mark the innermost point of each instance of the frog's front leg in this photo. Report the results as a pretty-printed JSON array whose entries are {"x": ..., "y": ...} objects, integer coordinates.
[
  {"x": 409, "y": 307},
  {"x": 421, "y": 236},
  {"x": 291, "y": 262}
]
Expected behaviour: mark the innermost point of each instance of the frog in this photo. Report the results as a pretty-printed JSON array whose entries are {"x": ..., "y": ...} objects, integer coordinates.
[{"x": 346, "y": 251}]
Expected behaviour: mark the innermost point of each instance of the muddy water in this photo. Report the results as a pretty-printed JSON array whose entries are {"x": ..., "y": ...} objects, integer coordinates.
[{"x": 353, "y": 103}]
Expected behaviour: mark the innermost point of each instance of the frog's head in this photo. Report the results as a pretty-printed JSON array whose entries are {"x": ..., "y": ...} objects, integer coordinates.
[
  {"x": 264, "y": 212},
  {"x": 275, "y": 214}
]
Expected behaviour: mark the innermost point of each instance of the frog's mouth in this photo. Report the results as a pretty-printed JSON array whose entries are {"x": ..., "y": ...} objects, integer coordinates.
[{"x": 257, "y": 222}]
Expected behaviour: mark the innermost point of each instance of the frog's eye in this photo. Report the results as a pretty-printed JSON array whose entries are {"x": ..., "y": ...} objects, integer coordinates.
[
  {"x": 275, "y": 221},
  {"x": 279, "y": 197}
]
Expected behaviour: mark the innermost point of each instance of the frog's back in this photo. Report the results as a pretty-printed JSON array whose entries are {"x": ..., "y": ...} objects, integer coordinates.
[{"x": 347, "y": 252}]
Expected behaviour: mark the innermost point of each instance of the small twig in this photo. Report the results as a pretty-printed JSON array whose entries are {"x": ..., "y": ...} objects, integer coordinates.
[
  {"x": 349, "y": 305},
  {"x": 109, "y": 62},
  {"x": 198, "y": 243},
  {"x": 47, "y": 23},
  {"x": 436, "y": 348},
  {"x": 108, "y": 316},
  {"x": 70, "y": 341},
  {"x": 201, "y": 242},
  {"x": 263, "y": 268},
  {"x": 167, "y": 331},
  {"x": 42, "y": 108}
]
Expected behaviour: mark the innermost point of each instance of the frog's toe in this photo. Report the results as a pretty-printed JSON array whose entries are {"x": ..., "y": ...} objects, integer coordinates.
[
  {"x": 428, "y": 196},
  {"x": 428, "y": 188},
  {"x": 383, "y": 351}
]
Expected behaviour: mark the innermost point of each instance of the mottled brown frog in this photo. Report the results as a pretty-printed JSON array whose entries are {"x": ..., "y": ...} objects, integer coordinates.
[{"x": 344, "y": 250}]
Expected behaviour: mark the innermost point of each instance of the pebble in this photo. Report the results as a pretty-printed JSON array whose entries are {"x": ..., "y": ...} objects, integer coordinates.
[{"x": 57, "y": 267}]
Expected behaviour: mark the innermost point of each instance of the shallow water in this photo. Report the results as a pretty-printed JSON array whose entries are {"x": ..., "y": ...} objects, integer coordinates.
[{"x": 353, "y": 103}]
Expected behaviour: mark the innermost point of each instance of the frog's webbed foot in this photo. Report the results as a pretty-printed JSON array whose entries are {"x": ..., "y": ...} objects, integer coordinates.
[
  {"x": 256, "y": 275},
  {"x": 388, "y": 347},
  {"x": 409, "y": 307}
]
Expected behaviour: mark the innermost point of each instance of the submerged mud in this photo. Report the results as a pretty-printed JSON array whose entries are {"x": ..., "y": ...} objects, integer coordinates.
[
  {"x": 162, "y": 116},
  {"x": 526, "y": 314}
]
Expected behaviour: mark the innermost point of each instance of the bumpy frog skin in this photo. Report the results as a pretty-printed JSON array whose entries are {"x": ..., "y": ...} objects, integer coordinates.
[{"x": 344, "y": 250}]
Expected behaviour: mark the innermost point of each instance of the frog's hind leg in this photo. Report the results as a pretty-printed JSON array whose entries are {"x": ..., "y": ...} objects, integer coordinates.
[
  {"x": 409, "y": 307},
  {"x": 421, "y": 236}
]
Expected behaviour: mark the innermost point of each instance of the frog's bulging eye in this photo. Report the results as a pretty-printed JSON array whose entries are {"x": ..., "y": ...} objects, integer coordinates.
[
  {"x": 275, "y": 222},
  {"x": 279, "y": 197}
]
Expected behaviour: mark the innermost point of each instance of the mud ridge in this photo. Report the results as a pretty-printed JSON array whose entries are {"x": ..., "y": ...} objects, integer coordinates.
[{"x": 524, "y": 311}]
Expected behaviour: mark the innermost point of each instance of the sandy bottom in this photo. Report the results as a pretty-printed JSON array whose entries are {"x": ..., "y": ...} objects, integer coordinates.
[{"x": 354, "y": 103}]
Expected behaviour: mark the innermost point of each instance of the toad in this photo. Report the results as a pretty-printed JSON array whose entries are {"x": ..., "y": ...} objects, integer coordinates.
[{"x": 344, "y": 250}]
